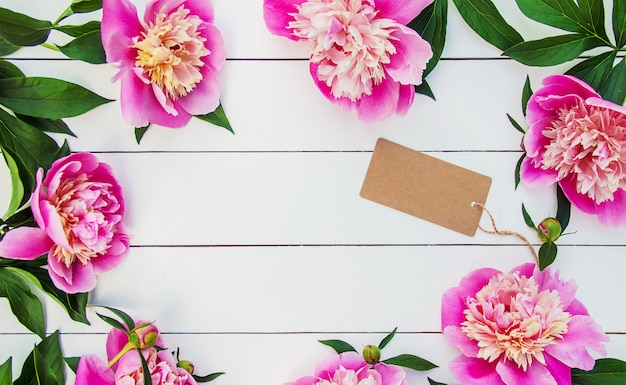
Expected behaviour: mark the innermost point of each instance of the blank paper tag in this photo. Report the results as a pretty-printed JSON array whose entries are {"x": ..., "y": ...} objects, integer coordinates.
[{"x": 426, "y": 187}]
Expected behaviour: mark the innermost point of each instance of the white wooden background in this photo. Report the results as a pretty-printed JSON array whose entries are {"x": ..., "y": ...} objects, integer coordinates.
[{"x": 248, "y": 248}]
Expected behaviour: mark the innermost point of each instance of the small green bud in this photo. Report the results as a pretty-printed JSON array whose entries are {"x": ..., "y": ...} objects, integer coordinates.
[
  {"x": 187, "y": 365},
  {"x": 549, "y": 230},
  {"x": 144, "y": 336},
  {"x": 371, "y": 354}
]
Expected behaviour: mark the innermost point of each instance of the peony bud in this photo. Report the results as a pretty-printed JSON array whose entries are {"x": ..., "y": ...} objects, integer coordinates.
[
  {"x": 549, "y": 230},
  {"x": 187, "y": 365},
  {"x": 144, "y": 336},
  {"x": 371, "y": 354}
]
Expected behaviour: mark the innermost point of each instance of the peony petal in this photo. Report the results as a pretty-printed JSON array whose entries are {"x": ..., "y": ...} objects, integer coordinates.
[
  {"x": 276, "y": 14},
  {"x": 115, "y": 254},
  {"x": 536, "y": 176},
  {"x": 215, "y": 44},
  {"x": 581, "y": 201},
  {"x": 201, "y": 8},
  {"x": 405, "y": 99},
  {"x": 412, "y": 53},
  {"x": 576, "y": 308},
  {"x": 344, "y": 103},
  {"x": 534, "y": 141},
  {"x": 93, "y": 371},
  {"x": 582, "y": 333},
  {"x": 119, "y": 25},
  {"x": 205, "y": 97},
  {"x": 535, "y": 374},
  {"x": 116, "y": 340},
  {"x": 53, "y": 226},
  {"x": 458, "y": 338},
  {"x": 78, "y": 278},
  {"x": 26, "y": 243},
  {"x": 390, "y": 375},
  {"x": 136, "y": 98},
  {"x": 474, "y": 281},
  {"x": 561, "y": 373},
  {"x": 599, "y": 102},
  {"x": 613, "y": 213},
  {"x": 381, "y": 104},
  {"x": 452, "y": 307},
  {"x": 402, "y": 11},
  {"x": 567, "y": 84},
  {"x": 348, "y": 360},
  {"x": 475, "y": 371},
  {"x": 547, "y": 281}
]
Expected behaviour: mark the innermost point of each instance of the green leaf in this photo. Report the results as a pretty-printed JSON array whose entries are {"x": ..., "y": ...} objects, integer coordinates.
[
  {"x": 387, "y": 339},
  {"x": 74, "y": 304},
  {"x": 592, "y": 12},
  {"x": 527, "y": 93},
  {"x": 613, "y": 88},
  {"x": 128, "y": 320},
  {"x": 24, "y": 304},
  {"x": 24, "y": 217},
  {"x": 515, "y": 124},
  {"x": 140, "y": 132},
  {"x": 518, "y": 169},
  {"x": 21, "y": 30},
  {"x": 607, "y": 371},
  {"x": 410, "y": 361},
  {"x": 147, "y": 378},
  {"x": 28, "y": 146},
  {"x": 527, "y": 219},
  {"x": 551, "y": 50},
  {"x": 17, "y": 187},
  {"x": 339, "y": 346},
  {"x": 80, "y": 6},
  {"x": 7, "y": 48},
  {"x": 431, "y": 24},
  {"x": 207, "y": 378},
  {"x": 47, "y": 97},
  {"x": 562, "y": 14},
  {"x": 72, "y": 362},
  {"x": 432, "y": 382},
  {"x": 217, "y": 117},
  {"x": 483, "y": 17},
  {"x": 547, "y": 254},
  {"x": 9, "y": 70},
  {"x": 79, "y": 30},
  {"x": 595, "y": 70},
  {"x": 424, "y": 89},
  {"x": 619, "y": 22},
  {"x": 112, "y": 322},
  {"x": 87, "y": 48},
  {"x": 6, "y": 373},
  {"x": 48, "y": 125},
  {"x": 45, "y": 364},
  {"x": 564, "y": 208}
]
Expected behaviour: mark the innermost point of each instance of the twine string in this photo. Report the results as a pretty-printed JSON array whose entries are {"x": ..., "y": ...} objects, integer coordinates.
[{"x": 504, "y": 232}]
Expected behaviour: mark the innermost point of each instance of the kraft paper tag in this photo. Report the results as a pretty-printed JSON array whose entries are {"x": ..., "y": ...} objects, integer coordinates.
[{"x": 426, "y": 187}]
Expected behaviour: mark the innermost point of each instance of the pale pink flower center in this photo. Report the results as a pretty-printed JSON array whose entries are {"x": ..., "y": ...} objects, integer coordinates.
[
  {"x": 350, "y": 45},
  {"x": 510, "y": 317},
  {"x": 87, "y": 211},
  {"x": 589, "y": 142},
  {"x": 343, "y": 376},
  {"x": 160, "y": 372},
  {"x": 170, "y": 52}
]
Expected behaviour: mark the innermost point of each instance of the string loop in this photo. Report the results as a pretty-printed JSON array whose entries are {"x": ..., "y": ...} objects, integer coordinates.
[{"x": 504, "y": 232}]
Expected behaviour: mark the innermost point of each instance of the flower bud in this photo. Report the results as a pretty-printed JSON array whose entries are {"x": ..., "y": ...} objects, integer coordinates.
[
  {"x": 371, "y": 354},
  {"x": 549, "y": 230},
  {"x": 144, "y": 336},
  {"x": 187, "y": 365}
]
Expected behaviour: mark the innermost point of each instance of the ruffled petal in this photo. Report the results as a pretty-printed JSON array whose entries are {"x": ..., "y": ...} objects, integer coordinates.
[
  {"x": 402, "y": 11},
  {"x": 613, "y": 213},
  {"x": 536, "y": 176},
  {"x": 93, "y": 371},
  {"x": 582, "y": 333},
  {"x": 535, "y": 374},
  {"x": 115, "y": 254},
  {"x": 25, "y": 243},
  {"x": 581, "y": 201},
  {"x": 276, "y": 14},
  {"x": 390, "y": 374},
  {"x": 119, "y": 25},
  {"x": 534, "y": 141},
  {"x": 458, "y": 338},
  {"x": 474, "y": 281},
  {"x": 77, "y": 278},
  {"x": 475, "y": 371},
  {"x": 412, "y": 53},
  {"x": 547, "y": 281},
  {"x": 205, "y": 97},
  {"x": 348, "y": 360}
]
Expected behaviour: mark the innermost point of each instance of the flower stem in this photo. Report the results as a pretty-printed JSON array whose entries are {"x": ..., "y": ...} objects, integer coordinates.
[{"x": 128, "y": 347}]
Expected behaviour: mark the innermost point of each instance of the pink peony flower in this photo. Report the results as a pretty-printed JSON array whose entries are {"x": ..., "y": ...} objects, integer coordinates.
[
  {"x": 79, "y": 209},
  {"x": 578, "y": 140},
  {"x": 93, "y": 371},
  {"x": 168, "y": 61},
  {"x": 162, "y": 368},
  {"x": 351, "y": 369},
  {"x": 362, "y": 56},
  {"x": 522, "y": 327}
]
